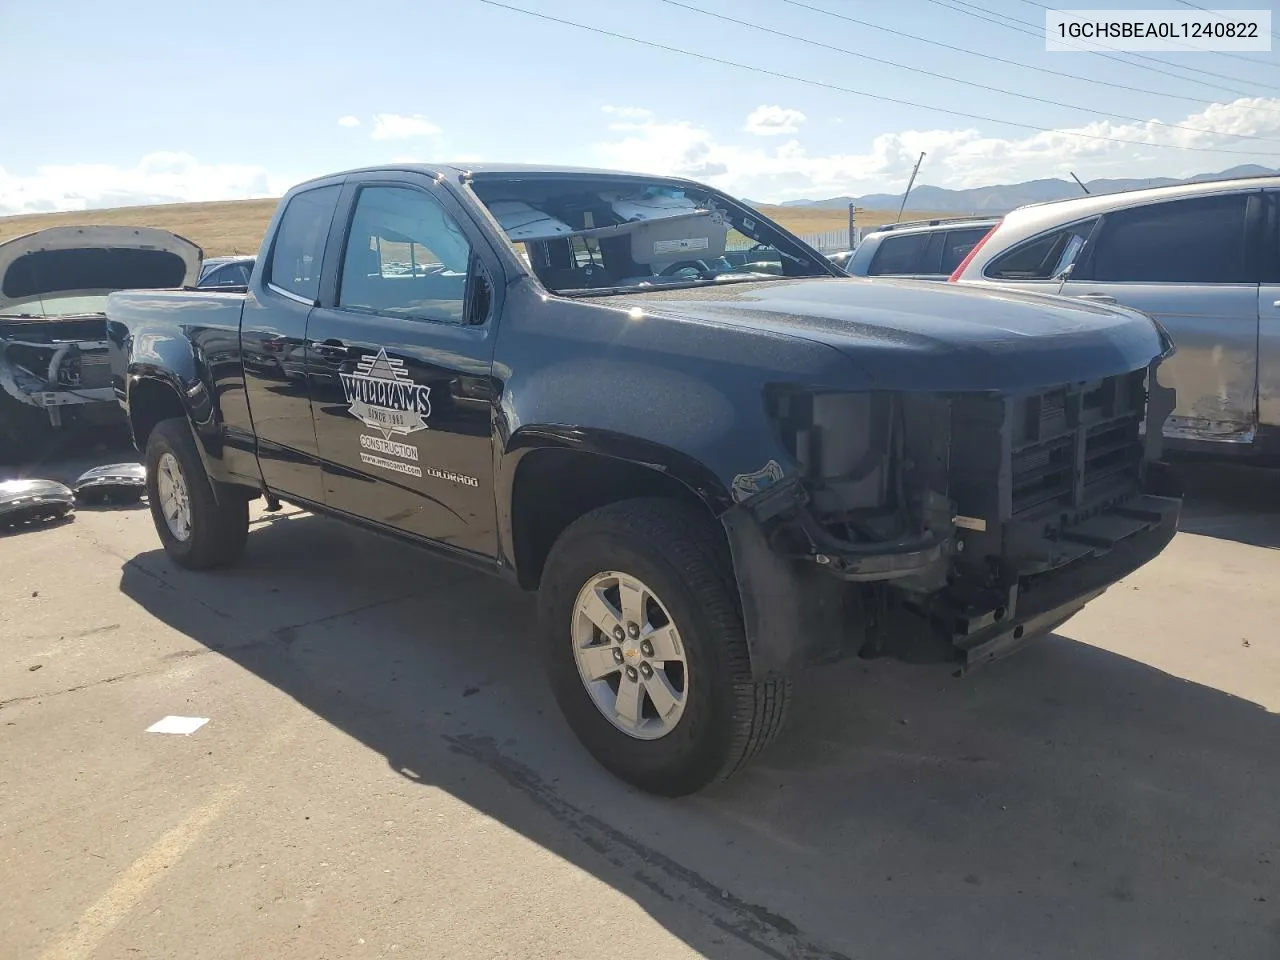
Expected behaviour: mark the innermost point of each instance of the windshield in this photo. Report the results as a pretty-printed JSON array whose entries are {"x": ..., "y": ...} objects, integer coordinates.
[
  {"x": 596, "y": 235},
  {"x": 55, "y": 306}
]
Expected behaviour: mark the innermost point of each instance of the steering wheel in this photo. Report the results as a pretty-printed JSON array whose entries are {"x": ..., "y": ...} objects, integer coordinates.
[{"x": 699, "y": 265}]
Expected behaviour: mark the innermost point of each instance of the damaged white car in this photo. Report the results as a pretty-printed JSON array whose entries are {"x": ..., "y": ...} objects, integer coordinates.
[{"x": 53, "y": 346}]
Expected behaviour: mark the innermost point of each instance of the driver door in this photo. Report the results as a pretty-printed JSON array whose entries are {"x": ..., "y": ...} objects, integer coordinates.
[{"x": 400, "y": 364}]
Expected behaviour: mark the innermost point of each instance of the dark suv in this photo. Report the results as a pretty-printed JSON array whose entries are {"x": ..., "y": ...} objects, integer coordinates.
[{"x": 923, "y": 249}]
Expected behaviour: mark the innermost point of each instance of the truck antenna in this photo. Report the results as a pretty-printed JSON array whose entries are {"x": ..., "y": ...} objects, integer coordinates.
[{"x": 1077, "y": 180}]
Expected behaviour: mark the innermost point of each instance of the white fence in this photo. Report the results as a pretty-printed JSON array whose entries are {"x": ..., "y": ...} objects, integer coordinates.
[
  {"x": 829, "y": 241},
  {"x": 832, "y": 241}
]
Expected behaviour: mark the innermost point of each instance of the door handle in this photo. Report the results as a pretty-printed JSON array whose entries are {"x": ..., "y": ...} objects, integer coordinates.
[
  {"x": 328, "y": 347},
  {"x": 1276, "y": 304}
]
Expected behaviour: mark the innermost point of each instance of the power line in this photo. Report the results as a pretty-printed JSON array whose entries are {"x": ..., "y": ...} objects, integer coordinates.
[
  {"x": 1187, "y": 46},
  {"x": 995, "y": 59},
  {"x": 862, "y": 93},
  {"x": 1217, "y": 14},
  {"x": 1039, "y": 35},
  {"x": 954, "y": 79}
]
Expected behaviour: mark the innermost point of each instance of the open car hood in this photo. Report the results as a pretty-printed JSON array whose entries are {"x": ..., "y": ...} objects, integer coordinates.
[{"x": 89, "y": 261}]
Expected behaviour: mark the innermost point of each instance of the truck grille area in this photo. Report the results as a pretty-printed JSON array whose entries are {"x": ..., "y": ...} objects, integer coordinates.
[
  {"x": 1049, "y": 455},
  {"x": 1070, "y": 447},
  {"x": 95, "y": 369}
]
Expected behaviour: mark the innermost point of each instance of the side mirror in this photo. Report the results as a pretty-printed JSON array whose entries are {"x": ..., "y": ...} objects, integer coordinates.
[{"x": 1062, "y": 275}]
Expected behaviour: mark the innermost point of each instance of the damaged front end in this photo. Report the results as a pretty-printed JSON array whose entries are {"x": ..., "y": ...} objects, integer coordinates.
[
  {"x": 56, "y": 364},
  {"x": 53, "y": 331},
  {"x": 947, "y": 527}
]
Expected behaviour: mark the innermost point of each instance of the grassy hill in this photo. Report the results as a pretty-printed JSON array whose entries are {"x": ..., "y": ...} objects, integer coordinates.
[{"x": 236, "y": 226}]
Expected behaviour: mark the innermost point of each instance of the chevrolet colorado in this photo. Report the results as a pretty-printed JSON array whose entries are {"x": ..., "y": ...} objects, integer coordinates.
[{"x": 713, "y": 474}]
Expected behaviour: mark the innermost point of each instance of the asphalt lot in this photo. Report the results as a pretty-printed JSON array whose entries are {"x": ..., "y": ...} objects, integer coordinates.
[{"x": 384, "y": 773}]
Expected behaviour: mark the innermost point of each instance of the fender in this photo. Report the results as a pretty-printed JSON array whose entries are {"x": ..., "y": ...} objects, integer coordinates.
[
  {"x": 698, "y": 391},
  {"x": 193, "y": 366}
]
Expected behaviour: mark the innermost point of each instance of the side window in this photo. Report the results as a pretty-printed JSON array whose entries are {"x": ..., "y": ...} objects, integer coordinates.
[
  {"x": 957, "y": 245},
  {"x": 1197, "y": 240},
  {"x": 232, "y": 275},
  {"x": 1042, "y": 257},
  {"x": 901, "y": 254},
  {"x": 747, "y": 254},
  {"x": 405, "y": 257},
  {"x": 299, "y": 246}
]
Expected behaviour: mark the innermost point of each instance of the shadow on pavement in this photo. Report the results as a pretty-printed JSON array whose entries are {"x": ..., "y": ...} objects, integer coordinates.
[
  {"x": 1067, "y": 802},
  {"x": 1231, "y": 501},
  {"x": 63, "y": 456}
]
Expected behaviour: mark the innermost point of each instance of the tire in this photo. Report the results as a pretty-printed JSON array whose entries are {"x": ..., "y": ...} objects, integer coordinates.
[
  {"x": 218, "y": 525},
  {"x": 675, "y": 550}
]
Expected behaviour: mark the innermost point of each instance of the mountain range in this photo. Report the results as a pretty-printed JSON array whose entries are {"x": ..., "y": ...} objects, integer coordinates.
[{"x": 1004, "y": 197}]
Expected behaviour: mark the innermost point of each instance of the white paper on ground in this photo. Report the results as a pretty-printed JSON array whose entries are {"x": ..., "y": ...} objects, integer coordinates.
[{"x": 183, "y": 725}]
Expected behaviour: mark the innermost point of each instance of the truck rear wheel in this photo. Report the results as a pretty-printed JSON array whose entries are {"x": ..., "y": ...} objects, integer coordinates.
[
  {"x": 199, "y": 530},
  {"x": 643, "y": 642}
]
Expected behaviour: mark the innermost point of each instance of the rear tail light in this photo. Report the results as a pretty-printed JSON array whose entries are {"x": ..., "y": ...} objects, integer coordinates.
[{"x": 955, "y": 274}]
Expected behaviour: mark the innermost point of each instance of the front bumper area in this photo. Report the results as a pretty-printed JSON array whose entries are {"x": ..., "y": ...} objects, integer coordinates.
[
  {"x": 802, "y": 613},
  {"x": 1111, "y": 545}
]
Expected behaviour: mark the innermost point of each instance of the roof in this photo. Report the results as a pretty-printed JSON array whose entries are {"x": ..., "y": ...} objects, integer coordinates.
[
  {"x": 229, "y": 258},
  {"x": 1102, "y": 202},
  {"x": 495, "y": 169},
  {"x": 907, "y": 226}
]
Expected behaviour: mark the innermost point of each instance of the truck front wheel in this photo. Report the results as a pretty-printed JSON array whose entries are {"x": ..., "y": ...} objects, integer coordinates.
[
  {"x": 643, "y": 643},
  {"x": 199, "y": 530}
]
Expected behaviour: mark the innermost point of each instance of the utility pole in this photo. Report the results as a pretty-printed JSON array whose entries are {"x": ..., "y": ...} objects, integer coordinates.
[
  {"x": 910, "y": 184},
  {"x": 853, "y": 229}
]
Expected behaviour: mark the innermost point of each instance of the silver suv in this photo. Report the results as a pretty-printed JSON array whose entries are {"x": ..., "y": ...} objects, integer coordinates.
[
  {"x": 919, "y": 249},
  {"x": 1202, "y": 258}
]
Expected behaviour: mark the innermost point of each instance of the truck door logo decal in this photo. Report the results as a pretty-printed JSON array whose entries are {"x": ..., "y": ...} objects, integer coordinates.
[{"x": 383, "y": 397}]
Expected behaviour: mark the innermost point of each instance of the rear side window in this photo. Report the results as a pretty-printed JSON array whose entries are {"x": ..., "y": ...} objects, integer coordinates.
[
  {"x": 1197, "y": 240},
  {"x": 1042, "y": 257},
  {"x": 232, "y": 275},
  {"x": 299, "y": 246},
  {"x": 901, "y": 254},
  {"x": 957, "y": 245}
]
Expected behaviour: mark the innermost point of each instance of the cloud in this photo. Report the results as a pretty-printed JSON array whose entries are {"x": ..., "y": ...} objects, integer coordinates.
[
  {"x": 766, "y": 121},
  {"x": 393, "y": 126},
  {"x": 163, "y": 177},
  {"x": 348, "y": 121},
  {"x": 956, "y": 158},
  {"x": 774, "y": 169}
]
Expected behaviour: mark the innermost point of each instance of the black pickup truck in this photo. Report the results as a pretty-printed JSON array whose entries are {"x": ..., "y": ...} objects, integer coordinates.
[{"x": 715, "y": 469}]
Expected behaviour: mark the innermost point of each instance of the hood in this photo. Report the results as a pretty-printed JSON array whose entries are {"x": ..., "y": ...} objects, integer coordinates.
[
  {"x": 921, "y": 335},
  {"x": 89, "y": 261}
]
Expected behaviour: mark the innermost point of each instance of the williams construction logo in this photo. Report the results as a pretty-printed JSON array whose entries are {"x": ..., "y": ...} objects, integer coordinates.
[{"x": 383, "y": 397}]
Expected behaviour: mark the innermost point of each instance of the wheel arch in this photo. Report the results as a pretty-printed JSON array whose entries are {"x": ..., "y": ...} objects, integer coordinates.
[
  {"x": 152, "y": 399},
  {"x": 551, "y": 476}
]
